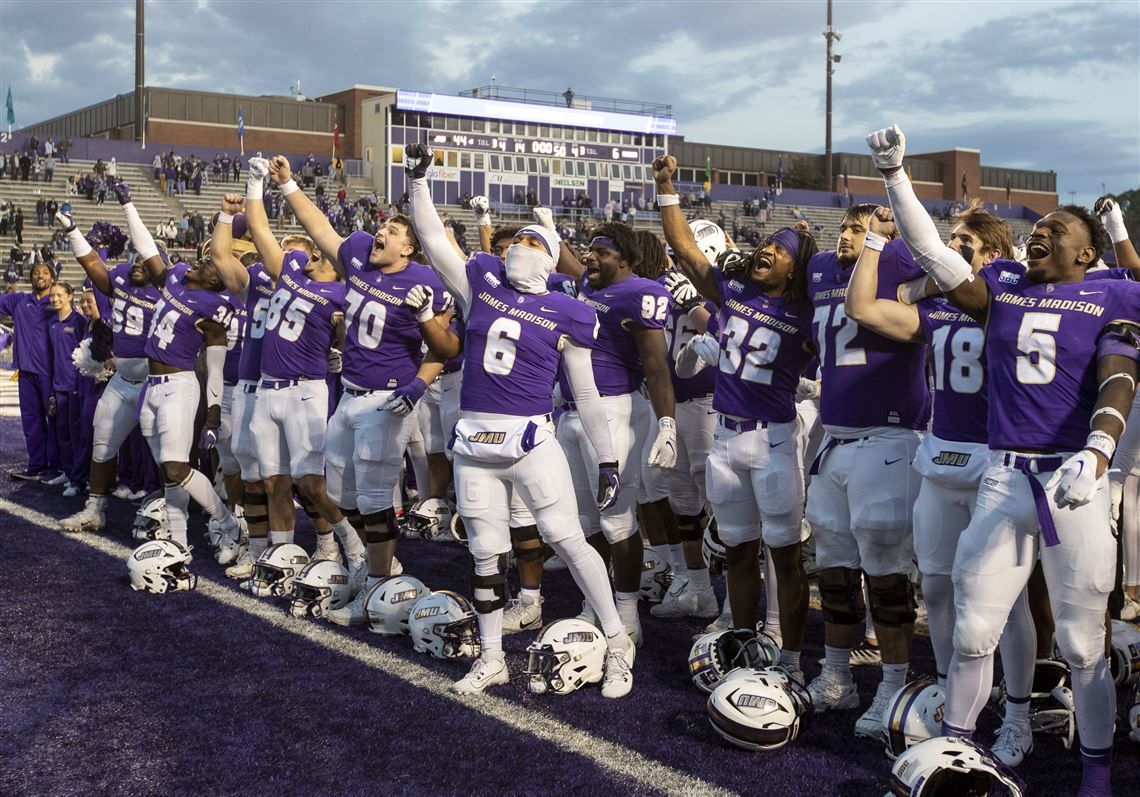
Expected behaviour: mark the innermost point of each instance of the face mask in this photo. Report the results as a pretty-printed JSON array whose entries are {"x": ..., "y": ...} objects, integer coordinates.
[{"x": 527, "y": 268}]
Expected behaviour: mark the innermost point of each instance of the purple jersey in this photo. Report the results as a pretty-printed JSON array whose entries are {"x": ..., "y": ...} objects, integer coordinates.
[
  {"x": 868, "y": 380},
  {"x": 957, "y": 346},
  {"x": 174, "y": 337},
  {"x": 510, "y": 349},
  {"x": 300, "y": 322},
  {"x": 132, "y": 311},
  {"x": 455, "y": 363},
  {"x": 63, "y": 337},
  {"x": 765, "y": 344},
  {"x": 561, "y": 283},
  {"x": 235, "y": 339},
  {"x": 1041, "y": 348},
  {"x": 257, "y": 297},
  {"x": 30, "y": 318},
  {"x": 633, "y": 302},
  {"x": 382, "y": 349},
  {"x": 679, "y": 332}
]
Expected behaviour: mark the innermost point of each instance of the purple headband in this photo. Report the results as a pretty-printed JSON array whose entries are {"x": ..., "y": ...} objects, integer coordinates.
[
  {"x": 788, "y": 240},
  {"x": 603, "y": 242}
]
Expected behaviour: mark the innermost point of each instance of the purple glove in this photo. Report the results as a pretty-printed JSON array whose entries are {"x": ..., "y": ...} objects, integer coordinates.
[
  {"x": 123, "y": 192},
  {"x": 403, "y": 399},
  {"x": 608, "y": 487},
  {"x": 209, "y": 436}
]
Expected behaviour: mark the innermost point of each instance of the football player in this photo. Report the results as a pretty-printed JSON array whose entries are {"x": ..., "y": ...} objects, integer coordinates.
[
  {"x": 384, "y": 372},
  {"x": 517, "y": 336},
  {"x": 874, "y": 405},
  {"x": 194, "y": 310},
  {"x": 953, "y": 456},
  {"x": 133, "y": 299},
  {"x": 1061, "y": 354}
]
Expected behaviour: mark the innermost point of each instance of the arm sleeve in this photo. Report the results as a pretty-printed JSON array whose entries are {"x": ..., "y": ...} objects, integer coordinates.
[
  {"x": 140, "y": 235},
  {"x": 441, "y": 254},
  {"x": 579, "y": 371},
  {"x": 921, "y": 236},
  {"x": 215, "y": 367}
]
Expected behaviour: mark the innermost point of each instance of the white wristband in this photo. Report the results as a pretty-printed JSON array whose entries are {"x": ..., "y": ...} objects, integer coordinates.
[
  {"x": 914, "y": 291},
  {"x": 1114, "y": 226},
  {"x": 254, "y": 189},
  {"x": 1117, "y": 376},
  {"x": 484, "y": 220},
  {"x": 874, "y": 241},
  {"x": 289, "y": 186},
  {"x": 425, "y": 314},
  {"x": 665, "y": 200},
  {"x": 80, "y": 246},
  {"x": 1102, "y": 443},
  {"x": 1115, "y": 413},
  {"x": 225, "y": 218}
]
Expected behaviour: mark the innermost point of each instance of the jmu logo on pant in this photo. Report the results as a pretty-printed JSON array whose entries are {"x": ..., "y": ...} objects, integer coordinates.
[
  {"x": 490, "y": 438},
  {"x": 952, "y": 459}
]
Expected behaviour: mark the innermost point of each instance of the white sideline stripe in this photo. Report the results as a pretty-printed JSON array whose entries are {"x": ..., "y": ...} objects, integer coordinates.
[{"x": 618, "y": 759}]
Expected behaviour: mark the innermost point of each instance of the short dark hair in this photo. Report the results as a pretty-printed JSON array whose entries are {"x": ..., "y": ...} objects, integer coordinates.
[
  {"x": 510, "y": 231},
  {"x": 1098, "y": 237},
  {"x": 406, "y": 221},
  {"x": 653, "y": 261},
  {"x": 860, "y": 210},
  {"x": 992, "y": 230},
  {"x": 626, "y": 239}
]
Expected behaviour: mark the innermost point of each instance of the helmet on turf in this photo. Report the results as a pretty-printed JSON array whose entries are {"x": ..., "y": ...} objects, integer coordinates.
[
  {"x": 389, "y": 602},
  {"x": 656, "y": 576},
  {"x": 275, "y": 569},
  {"x": 712, "y": 548},
  {"x": 430, "y": 519},
  {"x": 715, "y": 655},
  {"x": 710, "y": 238},
  {"x": 913, "y": 715},
  {"x": 1051, "y": 707},
  {"x": 947, "y": 765},
  {"x": 443, "y": 624},
  {"x": 565, "y": 655},
  {"x": 755, "y": 709},
  {"x": 150, "y": 521},
  {"x": 320, "y": 587},
  {"x": 160, "y": 566},
  {"x": 1125, "y": 661}
]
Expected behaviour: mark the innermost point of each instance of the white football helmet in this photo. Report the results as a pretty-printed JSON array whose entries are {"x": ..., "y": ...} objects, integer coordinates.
[
  {"x": 430, "y": 519},
  {"x": 160, "y": 566},
  {"x": 1125, "y": 661},
  {"x": 443, "y": 624},
  {"x": 1051, "y": 708},
  {"x": 712, "y": 548},
  {"x": 564, "y": 656},
  {"x": 275, "y": 569},
  {"x": 755, "y": 710},
  {"x": 715, "y": 655},
  {"x": 913, "y": 715},
  {"x": 710, "y": 237},
  {"x": 947, "y": 765},
  {"x": 150, "y": 521},
  {"x": 656, "y": 576},
  {"x": 321, "y": 586},
  {"x": 389, "y": 603}
]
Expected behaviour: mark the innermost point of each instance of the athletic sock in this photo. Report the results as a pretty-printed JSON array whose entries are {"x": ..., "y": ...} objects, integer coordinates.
[
  {"x": 837, "y": 664},
  {"x": 894, "y": 676},
  {"x": 699, "y": 578},
  {"x": 627, "y": 607},
  {"x": 279, "y": 537},
  {"x": 353, "y": 547},
  {"x": 677, "y": 557}
]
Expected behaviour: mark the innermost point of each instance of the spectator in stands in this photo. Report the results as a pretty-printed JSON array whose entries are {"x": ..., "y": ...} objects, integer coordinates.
[
  {"x": 113, "y": 169},
  {"x": 156, "y": 164},
  {"x": 34, "y": 147},
  {"x": 236, "y": 168},
  {"x": 102, "y": 189},
  {"x": 198, "y": 174},
  {"x": 18, "y": 225},
  {"x": 41, "y": 208},
  {"x": 49, "y": 148},
  {"x": 64, "y": 148},
  {"x": 49, "y": 168},
  {"x": 226, "y": 168},
  {"x": 25, "y": 167},
  {"x": 16, "y": 258},
  {"x": 170, "y": 178}
]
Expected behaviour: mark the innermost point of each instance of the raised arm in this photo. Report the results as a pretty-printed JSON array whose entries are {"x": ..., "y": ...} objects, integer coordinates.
[
  {"x": 481, "y": 206},
  {"x": 568, "y": 263},
  {"x": 949, "y": 269},
  {"x": 451, "y": 267},
  {"x": 93, "y": 265},
  {"x": 316, "y": 224},
  {"x": 230, "y": 270},
  {"x": 141, "y": 238},
  {"x": 1113, "y": 220},
  {"x": 686, "y": 254},
  {"x": 267, "y": 247},
  {"x": 886, "y": 316}
]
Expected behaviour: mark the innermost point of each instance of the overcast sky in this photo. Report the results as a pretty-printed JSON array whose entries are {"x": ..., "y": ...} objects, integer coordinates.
[{"x": 1038, "y": 85}]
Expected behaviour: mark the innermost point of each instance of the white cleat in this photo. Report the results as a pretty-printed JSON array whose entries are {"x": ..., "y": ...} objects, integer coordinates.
[
  {"x": 587, "y": 614},
  {"x": 1131, "y": 609},
  {"x": 396, "y": 569},
  {"x": 618, "y": 678},
  {"x": 242, "y": 568},
  {"x": 723, "y": 622},
  {"x": 635, "y": 634},
  {"x": 352, "y": 614},
  {"x": 484, "y": 673},
  {"x": 870, "y": 725},
  {"x": 522, "y": 614},
  {"x": 357, "y": 574},
  {"x": 229, "y": 549},
  {"x": 88, "y": 519},
  {"x": 683, "y": 601},
  {"x": 1014, "y": 742},
  {"x": 327, "y": 556},
  {"x": 829, "y": 695},
  {"x": 123, "y": 493},
  {"x": 71, "y": 490}
]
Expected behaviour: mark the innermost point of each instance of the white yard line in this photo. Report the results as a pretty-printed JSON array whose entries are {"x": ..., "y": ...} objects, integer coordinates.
[{"x": 616, "y": 758}]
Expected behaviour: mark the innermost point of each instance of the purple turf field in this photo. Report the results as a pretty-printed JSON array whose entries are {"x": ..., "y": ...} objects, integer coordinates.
[{"x": 107, "y": 691}]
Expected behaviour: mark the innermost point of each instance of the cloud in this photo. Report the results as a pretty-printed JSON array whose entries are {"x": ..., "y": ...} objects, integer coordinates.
[{"x": 40, "y": 65}]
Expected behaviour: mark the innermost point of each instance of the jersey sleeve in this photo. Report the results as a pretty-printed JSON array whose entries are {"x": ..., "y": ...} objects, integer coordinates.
[
  {"x": 649, "y": 306},
  {"x": 355, "y": 250},
  {"x": 295, "y": 261},
  {"x": 896, "y": 266},
  {"x": 581, "y": 323}
]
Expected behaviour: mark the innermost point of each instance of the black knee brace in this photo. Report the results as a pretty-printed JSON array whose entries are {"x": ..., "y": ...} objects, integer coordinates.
[
  {"x": 256, "y": 508},
  {"x": 497, "y": 583},
  {"x": 308, "y": 506},
  {"x": 690, "y": 528},
  {"x": 841, "y": 593},
  {"x": 354, "y": 518},
  {"x": 528, "y": 553},
  {"x": 387, "y": 533},
  {"x": 892, "y": 600}
]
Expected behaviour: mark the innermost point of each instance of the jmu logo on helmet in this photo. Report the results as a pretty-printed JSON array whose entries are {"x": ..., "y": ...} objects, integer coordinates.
[
  {"x": 428, "y": 611},
  {"x": 150, "y": 553},
  {"x": 400, "y": 597}
]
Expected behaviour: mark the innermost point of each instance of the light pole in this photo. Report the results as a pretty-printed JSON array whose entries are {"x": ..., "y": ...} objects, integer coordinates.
[{"x": 832, "y": 35}]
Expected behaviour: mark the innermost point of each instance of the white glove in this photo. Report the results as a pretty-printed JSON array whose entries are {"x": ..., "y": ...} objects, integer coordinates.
[
  {"x": 1112, "y": 219},
  {"x": 258, "y": 169},
  {"x": 481, "y": 206},
  {"x": 335, "y": 361},
  {"x": 1075, "y": 481},
  {"x": 663, "y": 453},
  {"x": 682, "y": 290},
  {"x": 545, "y": 217},
  {"x": 807, "y": 390},
  {"x": 419, "y": 301},
  {"x": 887, "y": 147},
  {"x": 706, "y": 347}
]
